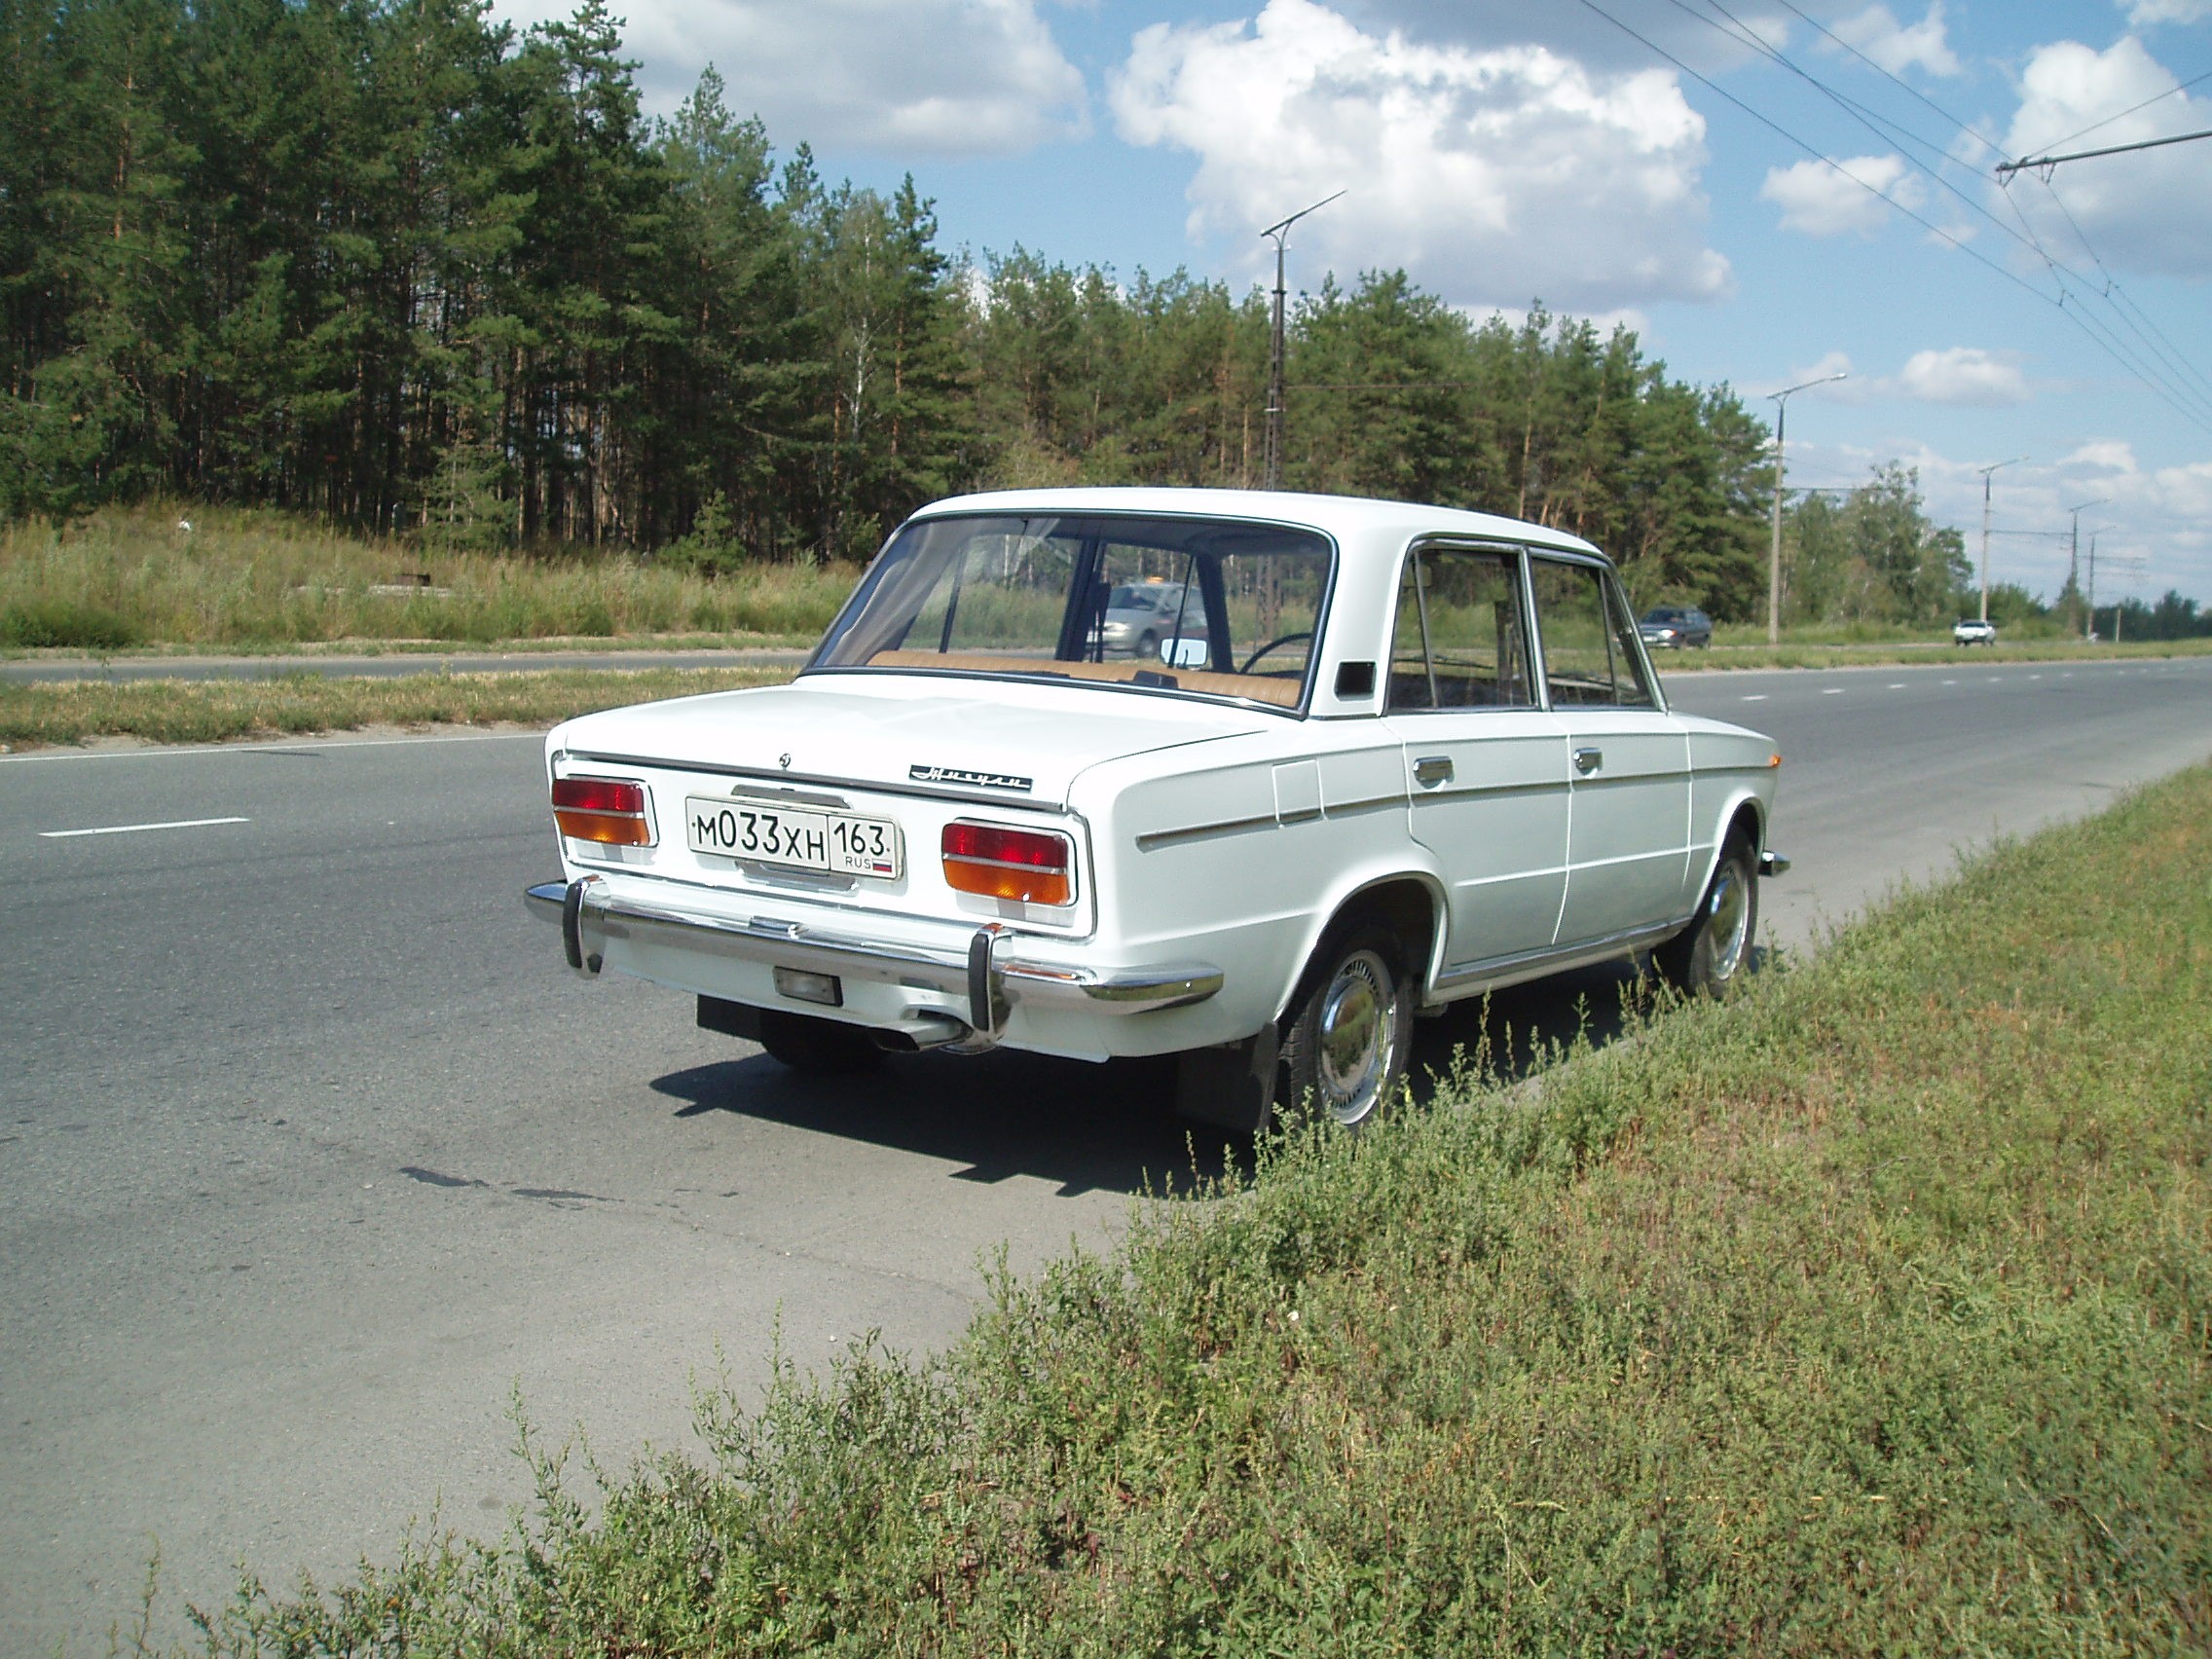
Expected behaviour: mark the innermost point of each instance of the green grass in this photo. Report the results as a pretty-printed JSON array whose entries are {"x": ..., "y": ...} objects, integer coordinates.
[
  {"x": 1793, "y": 653},
  {"x": 213, "y": 711},
  {"x": 246, "y": 580},
  {"x": 1871, "y": 1311}
]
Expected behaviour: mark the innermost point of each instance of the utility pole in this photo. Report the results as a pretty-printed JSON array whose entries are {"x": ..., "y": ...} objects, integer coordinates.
[
  {"x": 1985, "y": 471},
  {"x": 2074, "y": 557},
  {"x": 1280, "y": 232},
  {"x": 2092, "y": 584},
  {"x": 1773, "y": 553}
]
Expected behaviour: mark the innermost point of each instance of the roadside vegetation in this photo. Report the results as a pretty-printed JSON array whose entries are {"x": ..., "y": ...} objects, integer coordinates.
[
  {"x": 213, "y": 711},
  {"x": 1871, "y": 1311},
  {"x": 256, "y": 579}
]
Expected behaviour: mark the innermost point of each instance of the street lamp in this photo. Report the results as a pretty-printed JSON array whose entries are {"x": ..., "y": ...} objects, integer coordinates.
[
  {"x": 1985, "y": 471},
  {"x": 1274, "y": 357},
  {"x": 1774, "y": 556},
  {"x": 2074, "y": 558}
]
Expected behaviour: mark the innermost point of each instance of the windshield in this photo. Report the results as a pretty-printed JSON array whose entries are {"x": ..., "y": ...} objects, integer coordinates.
[{"x": 1205, "y": 606}]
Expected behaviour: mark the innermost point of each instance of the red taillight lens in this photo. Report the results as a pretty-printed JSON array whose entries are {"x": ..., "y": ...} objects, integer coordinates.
[
  {"x": 607, "y": 810},
  {"x": 1033, "y": 865}
]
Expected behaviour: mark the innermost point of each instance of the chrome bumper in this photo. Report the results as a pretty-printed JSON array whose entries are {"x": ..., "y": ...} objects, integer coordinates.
[
  {"x": 990, "y": 981},
  {"x": 1773, "y": 864}
]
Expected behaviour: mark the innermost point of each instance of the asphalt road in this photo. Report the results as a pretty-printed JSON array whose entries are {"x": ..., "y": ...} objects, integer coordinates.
[{"x": 312, "y": 1155}]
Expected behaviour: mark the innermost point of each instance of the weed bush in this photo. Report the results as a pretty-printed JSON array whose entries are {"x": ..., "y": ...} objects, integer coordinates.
[{"x": 1871, "y": 1311}]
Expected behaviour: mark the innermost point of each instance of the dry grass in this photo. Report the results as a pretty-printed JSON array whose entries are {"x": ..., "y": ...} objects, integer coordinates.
[
  {"x": 212, "y": 711},
  {"x": 253, "y": 579}
]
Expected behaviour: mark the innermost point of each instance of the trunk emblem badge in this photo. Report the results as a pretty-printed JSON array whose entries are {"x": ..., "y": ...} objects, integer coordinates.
[
  {"x": 956, "y": 775},
  {"x": 785, "y": 761}
]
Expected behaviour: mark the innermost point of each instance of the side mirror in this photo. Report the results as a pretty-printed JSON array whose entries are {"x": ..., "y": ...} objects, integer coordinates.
[{"x": 1183, "y": 654}]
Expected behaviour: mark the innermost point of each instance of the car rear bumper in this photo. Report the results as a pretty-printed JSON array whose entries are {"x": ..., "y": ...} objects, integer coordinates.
[{"x": 978, "y": 966}]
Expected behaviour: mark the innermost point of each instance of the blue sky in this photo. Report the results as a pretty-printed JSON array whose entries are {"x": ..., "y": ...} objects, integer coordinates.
[{"x": 1766, "y": 190}]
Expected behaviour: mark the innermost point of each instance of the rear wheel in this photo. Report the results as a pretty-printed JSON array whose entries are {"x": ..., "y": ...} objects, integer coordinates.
[
  {"x": 1345, "y": 1055},
  {"x": 1715, "y": 950},
  {"x": 820, "y": 1048}
]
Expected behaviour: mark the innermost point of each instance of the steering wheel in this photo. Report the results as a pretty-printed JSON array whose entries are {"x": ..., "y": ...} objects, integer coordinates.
[{"x": 1273, "y": 644}]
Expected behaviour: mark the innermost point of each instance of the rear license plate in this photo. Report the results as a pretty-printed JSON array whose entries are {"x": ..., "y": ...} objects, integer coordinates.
[{"x": 762, "y": 832}]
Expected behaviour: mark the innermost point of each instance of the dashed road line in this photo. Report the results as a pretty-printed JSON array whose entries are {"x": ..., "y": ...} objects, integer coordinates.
[{"x": 135, "y": 828}]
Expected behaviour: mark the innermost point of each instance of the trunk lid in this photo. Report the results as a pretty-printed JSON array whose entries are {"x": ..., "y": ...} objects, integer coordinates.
[{"x": 1002, "y": 741}]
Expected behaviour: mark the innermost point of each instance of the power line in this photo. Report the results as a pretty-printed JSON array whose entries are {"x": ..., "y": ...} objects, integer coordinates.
[
  {"x": 2169, "y": 358},
  {"x": 1891, "y": 75},
  {"x": 2151, "y": 381},
  {"x": 2162, "y": 352}
]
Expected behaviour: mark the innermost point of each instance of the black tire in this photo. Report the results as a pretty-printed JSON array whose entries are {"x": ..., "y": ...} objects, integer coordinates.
[
  {"x": 1148, "y": 647},
  {"x": 1714, "y": 951},
  {"x": 1345, "y": 1055},
  {"x": 818, "y": 1047}
]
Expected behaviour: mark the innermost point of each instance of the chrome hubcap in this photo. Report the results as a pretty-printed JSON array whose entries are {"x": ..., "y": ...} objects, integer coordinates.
[
  {"x": 1729, "y": 916},
  {"x": 1358, "y": 1036}
]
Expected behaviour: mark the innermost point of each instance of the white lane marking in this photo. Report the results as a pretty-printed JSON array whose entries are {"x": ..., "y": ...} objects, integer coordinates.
[
  {"x": 2035, "y": 677},
  {"x": 1757, "y": 697},
  {"x": 164, "y": 751},
  {"x": 1950, "y": 682},
  {"x": 1834, "y": 691},
  {"x": 135, "y": 828},
  {"x": 1896, "y": 685}
]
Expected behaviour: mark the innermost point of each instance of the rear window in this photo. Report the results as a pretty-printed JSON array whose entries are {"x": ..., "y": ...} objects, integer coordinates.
[{"x": 1206, "y": 608}]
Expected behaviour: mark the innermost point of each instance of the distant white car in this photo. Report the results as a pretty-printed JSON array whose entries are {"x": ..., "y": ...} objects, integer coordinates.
[
  {"x": 1972, "y": 631},
  {"x": 1412, "y": 753}
]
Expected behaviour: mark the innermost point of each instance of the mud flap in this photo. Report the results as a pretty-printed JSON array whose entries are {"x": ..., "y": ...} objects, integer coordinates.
[{"x": 1231, "y": 1086}]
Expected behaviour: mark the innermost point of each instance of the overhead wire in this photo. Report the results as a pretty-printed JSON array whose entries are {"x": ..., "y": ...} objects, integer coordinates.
[
  {"x": 2162, "y": 352},
  {"x": 2180, "y": 398}
]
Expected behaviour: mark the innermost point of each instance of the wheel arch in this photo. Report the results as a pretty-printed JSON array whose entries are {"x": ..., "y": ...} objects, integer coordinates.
[
  {"x": 1409, "y": 902},
  {"x": 1744, "y": 813}
]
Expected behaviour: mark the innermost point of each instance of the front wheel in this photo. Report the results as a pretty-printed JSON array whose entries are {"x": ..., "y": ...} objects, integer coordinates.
[
  {"x": 1345, "y": 1052},
  {"x": 1715, "y": 950}
]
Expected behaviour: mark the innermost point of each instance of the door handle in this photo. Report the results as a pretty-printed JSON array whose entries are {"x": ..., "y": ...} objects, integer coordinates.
[
  {"x": 1587, "y": 761},
  {"x": 1433, "y": 769}
]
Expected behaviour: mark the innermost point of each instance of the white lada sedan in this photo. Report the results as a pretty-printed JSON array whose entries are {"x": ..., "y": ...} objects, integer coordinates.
[{"x": 1394, "y": 757}]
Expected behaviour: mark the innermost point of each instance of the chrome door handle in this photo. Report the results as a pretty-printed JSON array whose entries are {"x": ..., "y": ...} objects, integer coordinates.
[
  {"x": 1433, "y": 769},
  {"x": 1588, "y": 760}
]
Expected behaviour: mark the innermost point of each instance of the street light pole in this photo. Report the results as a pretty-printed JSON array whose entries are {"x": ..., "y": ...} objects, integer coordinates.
[
  {"x": 1280, "y": 232},
  {"x": 1773, "y": 553},
  {"x": 2074, "y": 557},
  {"x": 1985, "y": 471}
]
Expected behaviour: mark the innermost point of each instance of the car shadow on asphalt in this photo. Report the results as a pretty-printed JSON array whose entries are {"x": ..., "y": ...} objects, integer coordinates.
[{"x": 1090, "y": 1127}]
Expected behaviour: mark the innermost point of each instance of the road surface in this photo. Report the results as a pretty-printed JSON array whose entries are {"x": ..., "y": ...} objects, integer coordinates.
[{"x": 312, "y": 1154}]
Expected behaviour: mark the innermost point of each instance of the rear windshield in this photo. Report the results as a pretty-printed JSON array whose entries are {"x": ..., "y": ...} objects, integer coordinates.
[{"x": 1181, "y": 606}]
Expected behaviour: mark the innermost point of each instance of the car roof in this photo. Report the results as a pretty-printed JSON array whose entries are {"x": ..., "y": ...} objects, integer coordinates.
[{"x": 1353, "y": 522}]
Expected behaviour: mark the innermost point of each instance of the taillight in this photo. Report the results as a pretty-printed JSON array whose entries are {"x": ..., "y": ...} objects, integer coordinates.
[
  {"x": 607, "y": 810},
  {"x": 1033, "y": 865}
]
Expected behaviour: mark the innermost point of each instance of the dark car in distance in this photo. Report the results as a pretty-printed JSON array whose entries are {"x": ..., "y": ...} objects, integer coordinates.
[{"x": 1669, "y": 627}]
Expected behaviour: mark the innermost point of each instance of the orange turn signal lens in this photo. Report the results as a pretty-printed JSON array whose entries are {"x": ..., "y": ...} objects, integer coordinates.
[
  {"x": 608, "y": 810},
  {"x": 1033, "y": 865},
  {"x": 1773, "y": 759}
]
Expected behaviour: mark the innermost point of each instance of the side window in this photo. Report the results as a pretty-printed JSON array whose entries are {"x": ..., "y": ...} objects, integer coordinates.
[
  {"x": 1460, "y": 641},
  {"x": 1588, "y": 656}
]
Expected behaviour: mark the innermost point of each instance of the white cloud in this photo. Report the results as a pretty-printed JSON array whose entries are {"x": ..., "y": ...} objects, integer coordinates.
[
  {"x": 1964, "y": 374},
  {"x": 911, "y": 77},
  {"x": 2109, "y": 455},
  {"x": 1491, "y": 175},
  {"x": 1897, "y": 48},
  {"x": 2142, "y": 14},
  {"x": 1825, "y": 200},
  {"x": 2147, "y": 211}
]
